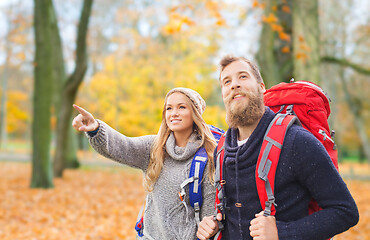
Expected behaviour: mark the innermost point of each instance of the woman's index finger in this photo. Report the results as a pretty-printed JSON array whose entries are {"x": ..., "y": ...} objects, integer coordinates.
[{"x": 81, "y": 110}]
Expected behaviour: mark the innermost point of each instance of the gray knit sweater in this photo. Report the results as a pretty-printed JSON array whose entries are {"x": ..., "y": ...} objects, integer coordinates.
[{"x": 165, "y": 217}]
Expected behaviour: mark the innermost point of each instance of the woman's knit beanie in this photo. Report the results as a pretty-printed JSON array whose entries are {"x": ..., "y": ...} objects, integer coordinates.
[{"x": 198, "y": 101}]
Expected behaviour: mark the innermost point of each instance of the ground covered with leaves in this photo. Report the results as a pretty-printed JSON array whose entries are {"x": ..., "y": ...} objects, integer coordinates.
[{"x": 98, "y": 204}]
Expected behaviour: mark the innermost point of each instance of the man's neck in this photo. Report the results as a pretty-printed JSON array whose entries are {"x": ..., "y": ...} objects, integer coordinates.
[{"x": 246, "y": 131}]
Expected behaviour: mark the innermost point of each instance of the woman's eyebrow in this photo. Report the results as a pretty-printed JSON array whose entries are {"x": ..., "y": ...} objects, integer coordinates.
[{"x": 169, "y": 104}]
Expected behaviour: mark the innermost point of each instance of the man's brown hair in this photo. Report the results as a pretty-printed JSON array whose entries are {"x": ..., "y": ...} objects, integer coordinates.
[{"x": 225, "y": 61}]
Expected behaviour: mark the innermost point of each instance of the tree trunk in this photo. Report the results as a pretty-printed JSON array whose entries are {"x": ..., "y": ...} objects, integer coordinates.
[
  {"x": 276, "y": 65},
  {"x": 63, "y": 133},
  {"x": 4, "y": 88},
  {"x": 60, "y": 80},
  {"x": 43, "y": 87},
  {"x": 306, "y": 40},
  {"x": 267, "y": 60},
  {"x": 355, "y": 107},
  {"x": 4, "y": 100},
  {"x": 359, "y": 123},
  {"x": 72, "y": 160},
  {"x": 69, "y": 93},
  {"x": 266, "y": 53}
]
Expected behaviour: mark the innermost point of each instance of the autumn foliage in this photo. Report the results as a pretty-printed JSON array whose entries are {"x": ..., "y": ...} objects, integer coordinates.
[
  {"x": 99, "y": 204},
  {"x": 83, "y": 205},
  {"x": 129, "y": 92}
]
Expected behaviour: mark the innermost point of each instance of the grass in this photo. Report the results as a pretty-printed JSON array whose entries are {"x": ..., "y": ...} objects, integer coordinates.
[{"x": 17, "y": 146}]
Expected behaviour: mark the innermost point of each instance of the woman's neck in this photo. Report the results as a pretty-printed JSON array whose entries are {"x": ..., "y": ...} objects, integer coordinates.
[{"x": 182, "y": 137}]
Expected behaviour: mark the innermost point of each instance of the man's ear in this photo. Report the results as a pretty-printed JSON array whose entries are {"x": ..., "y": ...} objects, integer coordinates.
[{"x": 262, "y": 86}]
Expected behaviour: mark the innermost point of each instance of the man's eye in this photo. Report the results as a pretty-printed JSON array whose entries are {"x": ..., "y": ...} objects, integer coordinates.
[{"x": 226, "y": 82}]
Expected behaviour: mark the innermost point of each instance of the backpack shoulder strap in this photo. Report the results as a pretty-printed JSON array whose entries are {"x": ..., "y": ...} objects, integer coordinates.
[
  {"x": 216, "y": 132},
  {"x": 139, "y": 222},
  {"x": 219, "y": 204},
  {"x": 194, "y": 180},
  {"x": 196, "y": 173},
  {"x": 218, "y": 171},
  {"x": 268, "y": 159},
  {"x": 195, "y": 187}
]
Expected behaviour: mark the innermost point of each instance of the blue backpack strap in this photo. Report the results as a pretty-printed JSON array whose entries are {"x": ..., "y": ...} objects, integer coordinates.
[
  {"x": 197, "y": 167},
  {"x": 196, "y": 175},
  {"x": 217, "y": 132},
  {"x": 139, "y": 223},
  {"x": 195, "y": 188}
]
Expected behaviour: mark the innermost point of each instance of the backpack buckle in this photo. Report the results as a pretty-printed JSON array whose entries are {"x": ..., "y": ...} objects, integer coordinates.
[
  {"x": 289, "y": 110},
  {"x": 196, "y": 207},
  {"x": 268, "y": 205},
  {"x": 181, "y": 195}
]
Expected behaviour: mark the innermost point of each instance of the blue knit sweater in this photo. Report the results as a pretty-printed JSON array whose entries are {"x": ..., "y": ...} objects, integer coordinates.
[{"x": 304, "y": 171}]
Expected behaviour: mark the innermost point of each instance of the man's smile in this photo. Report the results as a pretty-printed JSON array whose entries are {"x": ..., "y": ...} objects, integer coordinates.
[{"x": 238, "y": 96}]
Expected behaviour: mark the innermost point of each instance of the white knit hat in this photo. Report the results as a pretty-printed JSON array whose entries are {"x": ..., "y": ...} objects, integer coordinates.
[{"x": 198, "y": 101}]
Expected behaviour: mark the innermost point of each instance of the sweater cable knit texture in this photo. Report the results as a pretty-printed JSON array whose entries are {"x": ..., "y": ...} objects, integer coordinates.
[{"x": 165, "y": 217}]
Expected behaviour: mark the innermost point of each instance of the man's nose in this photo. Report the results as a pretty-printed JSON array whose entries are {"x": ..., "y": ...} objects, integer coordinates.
[{"x": 235, "y": 84}]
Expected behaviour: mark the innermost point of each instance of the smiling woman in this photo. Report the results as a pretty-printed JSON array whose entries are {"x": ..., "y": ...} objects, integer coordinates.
[
  {"x": 179, "y": 117},
  {"x": 166, "y": 160}
]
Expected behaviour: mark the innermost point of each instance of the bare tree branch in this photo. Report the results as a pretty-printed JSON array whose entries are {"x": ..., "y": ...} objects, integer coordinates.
[{"x": 345, "y": 63}]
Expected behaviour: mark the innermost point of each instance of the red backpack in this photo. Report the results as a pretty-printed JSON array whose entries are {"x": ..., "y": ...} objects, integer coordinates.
[{"x": 303, "y": 102}]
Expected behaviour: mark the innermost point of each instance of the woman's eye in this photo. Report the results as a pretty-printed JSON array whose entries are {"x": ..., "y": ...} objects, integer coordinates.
[
  {"x": 168, "y": 108},
  {"x": 243, "y": 76},
  {"x": 182, "y": 107}
]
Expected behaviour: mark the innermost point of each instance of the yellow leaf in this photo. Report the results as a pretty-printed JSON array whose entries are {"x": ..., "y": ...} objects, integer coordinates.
[
  {"x": 285, "y": 49},
  {"x": 302, "y": 56},
  {"x": 221, "y": 22},
  {"x": 304, "y": 47},
  {"x": 284, "y": 36},
  {"x": 286, "y": 9},
  {"x": 255, "y": 4},
  {"x": 277, "y": 27},
  {"x": 271, "y": 18}
]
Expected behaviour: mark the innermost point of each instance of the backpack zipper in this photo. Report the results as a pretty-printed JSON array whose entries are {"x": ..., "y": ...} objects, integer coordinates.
[
  {"x": 316, "y": 87},
  {"x": 326, "y": 136}
]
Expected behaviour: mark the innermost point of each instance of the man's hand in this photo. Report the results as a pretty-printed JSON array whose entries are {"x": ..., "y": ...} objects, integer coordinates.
[
  {"x": 208, "y": 227},
  {"x": 84, "y": 121},
  {"x": 263, "y": 228}
]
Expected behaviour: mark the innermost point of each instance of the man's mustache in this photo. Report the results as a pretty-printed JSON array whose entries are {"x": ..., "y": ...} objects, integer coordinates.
[{"x": 239, "y": 92}]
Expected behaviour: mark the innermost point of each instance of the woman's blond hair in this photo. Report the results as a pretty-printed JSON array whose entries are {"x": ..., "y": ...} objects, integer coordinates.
[{"x": 158, "y": 148}]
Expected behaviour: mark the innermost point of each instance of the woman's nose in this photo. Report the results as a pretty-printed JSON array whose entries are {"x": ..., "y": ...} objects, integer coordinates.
[{"x": 175, "y": 112}]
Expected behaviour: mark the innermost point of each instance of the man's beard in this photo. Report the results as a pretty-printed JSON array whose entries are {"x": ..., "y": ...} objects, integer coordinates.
[{"x": 246, "y": 115}]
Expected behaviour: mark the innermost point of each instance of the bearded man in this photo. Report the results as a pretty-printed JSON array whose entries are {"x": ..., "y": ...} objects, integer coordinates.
[{"x": 304, "y": 171}]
